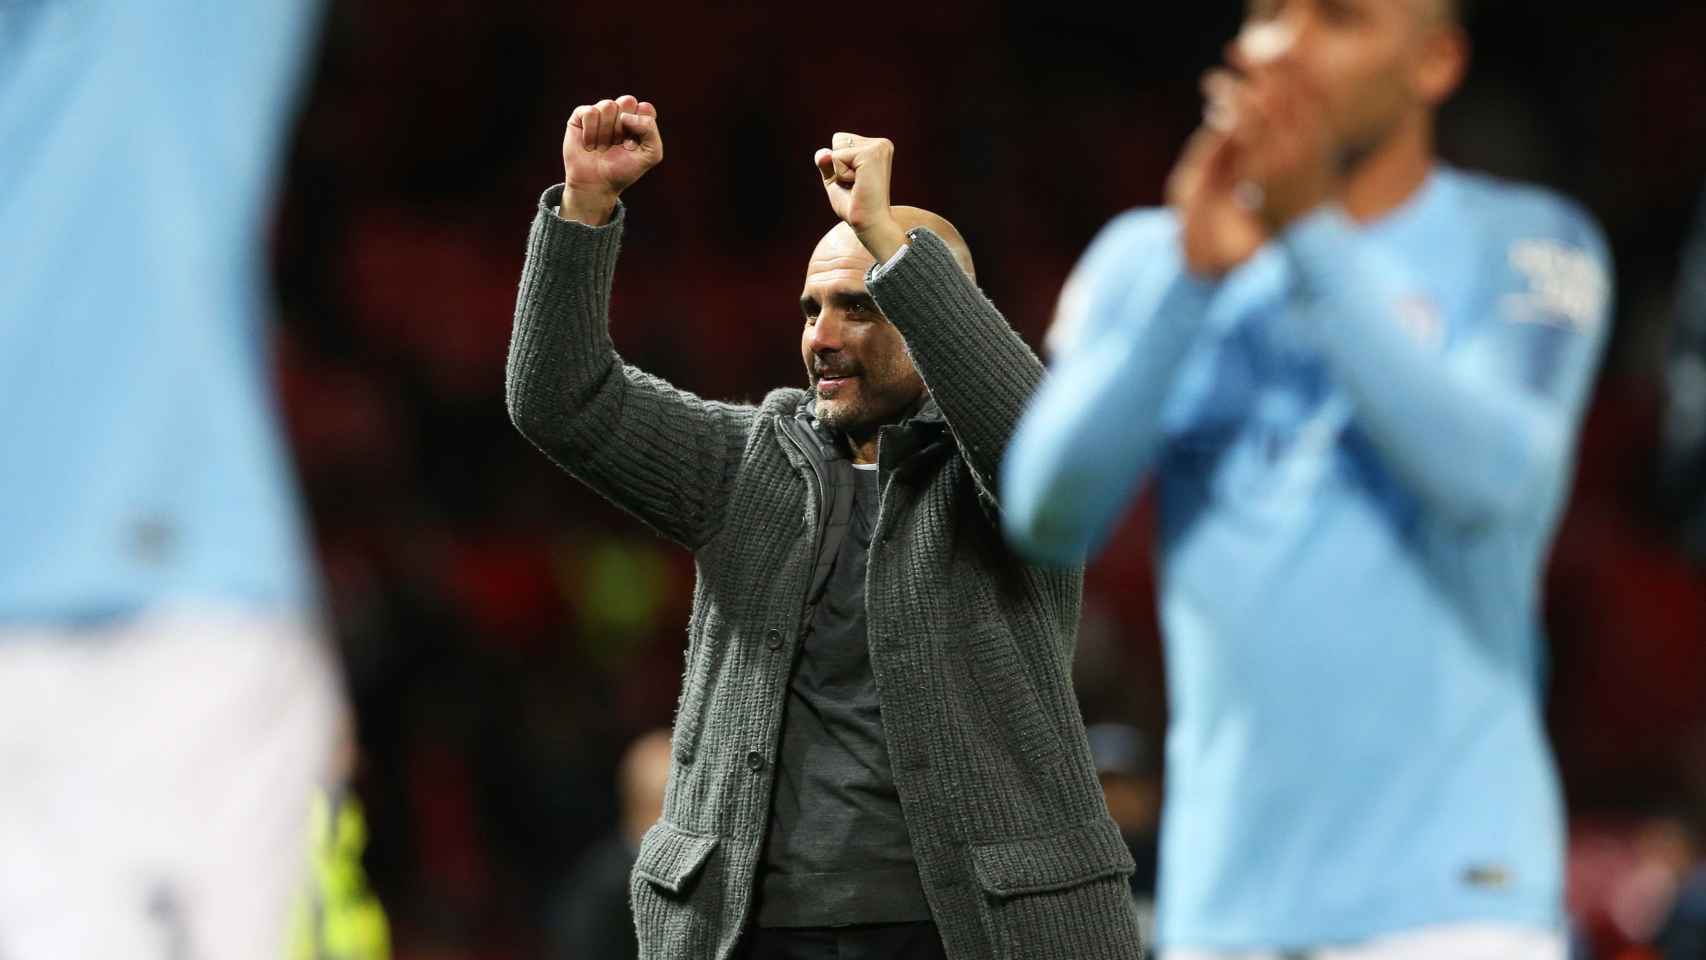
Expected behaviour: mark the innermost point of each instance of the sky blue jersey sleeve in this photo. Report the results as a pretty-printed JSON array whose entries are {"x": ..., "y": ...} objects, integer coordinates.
[
  {"x": 1127, "y": 318},
  {"x": 1482, "y": 427}
]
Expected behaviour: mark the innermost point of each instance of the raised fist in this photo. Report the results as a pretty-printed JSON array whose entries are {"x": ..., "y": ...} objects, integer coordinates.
[
  {"x": 607, "y": 146},
  {"x": 855, "y": 172}
]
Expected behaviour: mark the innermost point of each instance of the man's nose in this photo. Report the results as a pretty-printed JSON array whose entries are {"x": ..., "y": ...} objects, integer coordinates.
[
  {"x": 826, "y": 333},
  {"x": 1277, "y": 42}
]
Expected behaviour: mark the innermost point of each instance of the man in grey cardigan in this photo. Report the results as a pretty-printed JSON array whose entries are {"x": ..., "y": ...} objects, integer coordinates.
[{"x": 877, "y": 751}]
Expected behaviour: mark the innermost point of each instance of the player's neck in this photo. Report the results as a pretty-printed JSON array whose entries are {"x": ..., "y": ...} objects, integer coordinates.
[{"x": 1392, "y": 174}]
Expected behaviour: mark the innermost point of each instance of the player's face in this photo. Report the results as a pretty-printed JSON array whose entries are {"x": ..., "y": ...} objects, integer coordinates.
[
  {"x": 1361, "y": 56},
  {"x": 855, "y": 359}
]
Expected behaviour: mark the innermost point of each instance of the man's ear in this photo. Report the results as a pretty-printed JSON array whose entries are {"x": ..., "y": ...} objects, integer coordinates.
[{"x": 1444, "y": 61}]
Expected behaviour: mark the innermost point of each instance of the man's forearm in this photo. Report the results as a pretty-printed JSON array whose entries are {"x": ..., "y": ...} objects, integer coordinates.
[
  {"x": 658, "y": 452},
  {"x": 560, "y": 348},
  {"x": 1476, "y": 447},
  {"x": 1092, "y": 433},
  {"x": 977, "y": 368}
]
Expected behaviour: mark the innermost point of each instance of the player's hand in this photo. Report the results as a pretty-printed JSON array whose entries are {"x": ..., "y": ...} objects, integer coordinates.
[
  {"x": 855, "y": 172},
  {"x": 1219, "y": 229},
  {"x": 1289, "y": 150},
  {"x": 607, "y": 146}
]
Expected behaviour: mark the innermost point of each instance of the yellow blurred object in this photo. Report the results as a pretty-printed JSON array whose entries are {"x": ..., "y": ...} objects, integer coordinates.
[{"x": 337, "y": 917}]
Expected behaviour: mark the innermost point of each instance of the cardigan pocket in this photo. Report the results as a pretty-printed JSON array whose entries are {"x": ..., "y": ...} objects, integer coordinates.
[
  {"x": 671, "y": 857},
  {"x": 1063, "y": 895},
  {"x": 675, "y": 907}
]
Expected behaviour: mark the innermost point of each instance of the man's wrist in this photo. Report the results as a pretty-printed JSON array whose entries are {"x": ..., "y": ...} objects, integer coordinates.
[
  {"x": 591, "y": 207},
  {"x": 883, "y": 240}
]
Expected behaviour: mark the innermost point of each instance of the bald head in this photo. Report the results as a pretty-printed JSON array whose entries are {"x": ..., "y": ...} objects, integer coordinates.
[
  {"x": 911, "y": 217},
  {"x": 840, "y": 243}
]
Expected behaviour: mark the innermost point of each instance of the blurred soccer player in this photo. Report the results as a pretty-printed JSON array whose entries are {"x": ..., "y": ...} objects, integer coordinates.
[
  {"x": 165, "y": 704},
  {"x": 1356, "y": 375},
  {"x": 877, "y": 752}
]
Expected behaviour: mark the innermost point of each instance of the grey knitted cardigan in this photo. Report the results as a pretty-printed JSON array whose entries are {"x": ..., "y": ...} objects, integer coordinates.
[{"x": 971, "y": 647}]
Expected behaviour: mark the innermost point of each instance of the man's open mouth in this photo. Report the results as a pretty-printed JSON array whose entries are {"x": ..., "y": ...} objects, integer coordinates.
[{"x": 827, "y": 384}]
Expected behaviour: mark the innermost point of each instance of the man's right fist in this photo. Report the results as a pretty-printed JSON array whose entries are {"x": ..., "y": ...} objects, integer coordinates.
[{"x": 607, "y": 147}]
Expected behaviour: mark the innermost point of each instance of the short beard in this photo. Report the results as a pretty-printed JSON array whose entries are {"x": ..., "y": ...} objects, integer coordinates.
[
  {"x": 845, "y": 416},
  {"x": 857, "y": 417}
]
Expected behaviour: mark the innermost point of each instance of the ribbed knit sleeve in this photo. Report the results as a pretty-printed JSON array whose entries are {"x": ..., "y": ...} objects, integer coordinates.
[
  {"x": 663, "y": 454},
  {"x": 980, "y": 372}
]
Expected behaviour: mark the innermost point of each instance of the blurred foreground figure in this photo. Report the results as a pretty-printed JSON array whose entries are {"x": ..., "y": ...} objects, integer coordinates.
[
  {"x": 877, "y": 752},
  {"x": 1356, "y": 375},
  {"x": 165, "y": 701},
  {"x": 594, "y": 919}
]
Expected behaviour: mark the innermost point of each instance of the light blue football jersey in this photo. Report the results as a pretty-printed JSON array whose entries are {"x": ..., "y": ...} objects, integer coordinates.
[{"x": 1362, "y": 440}]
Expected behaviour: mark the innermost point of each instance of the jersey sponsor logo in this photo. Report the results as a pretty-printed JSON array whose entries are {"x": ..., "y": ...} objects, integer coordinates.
[{"x": 1567, "y": 286}]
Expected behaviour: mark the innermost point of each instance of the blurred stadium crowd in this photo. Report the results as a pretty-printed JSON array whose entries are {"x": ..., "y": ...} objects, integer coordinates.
[{"x": 507, "y": 634}]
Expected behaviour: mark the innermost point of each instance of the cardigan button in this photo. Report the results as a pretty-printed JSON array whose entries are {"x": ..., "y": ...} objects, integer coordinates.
[
  {"x": 755, "y": 761},
  {"x": 773, "y": 639}
]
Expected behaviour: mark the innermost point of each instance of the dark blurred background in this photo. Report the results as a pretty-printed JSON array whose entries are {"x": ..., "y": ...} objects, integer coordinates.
[{"x": 507, "y": 634}]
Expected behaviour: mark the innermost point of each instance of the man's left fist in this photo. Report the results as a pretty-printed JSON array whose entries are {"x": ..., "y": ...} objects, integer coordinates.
[{"x": 855, "y": 172}]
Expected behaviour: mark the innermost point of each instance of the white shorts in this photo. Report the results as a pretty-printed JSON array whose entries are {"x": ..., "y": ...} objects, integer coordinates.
[
  {"x": 1454, "y": 942},
  {"x": 154, "y": 785}
]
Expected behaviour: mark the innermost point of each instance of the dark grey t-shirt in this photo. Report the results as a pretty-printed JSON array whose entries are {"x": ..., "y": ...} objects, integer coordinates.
[{"x": 838, "y": 852}]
